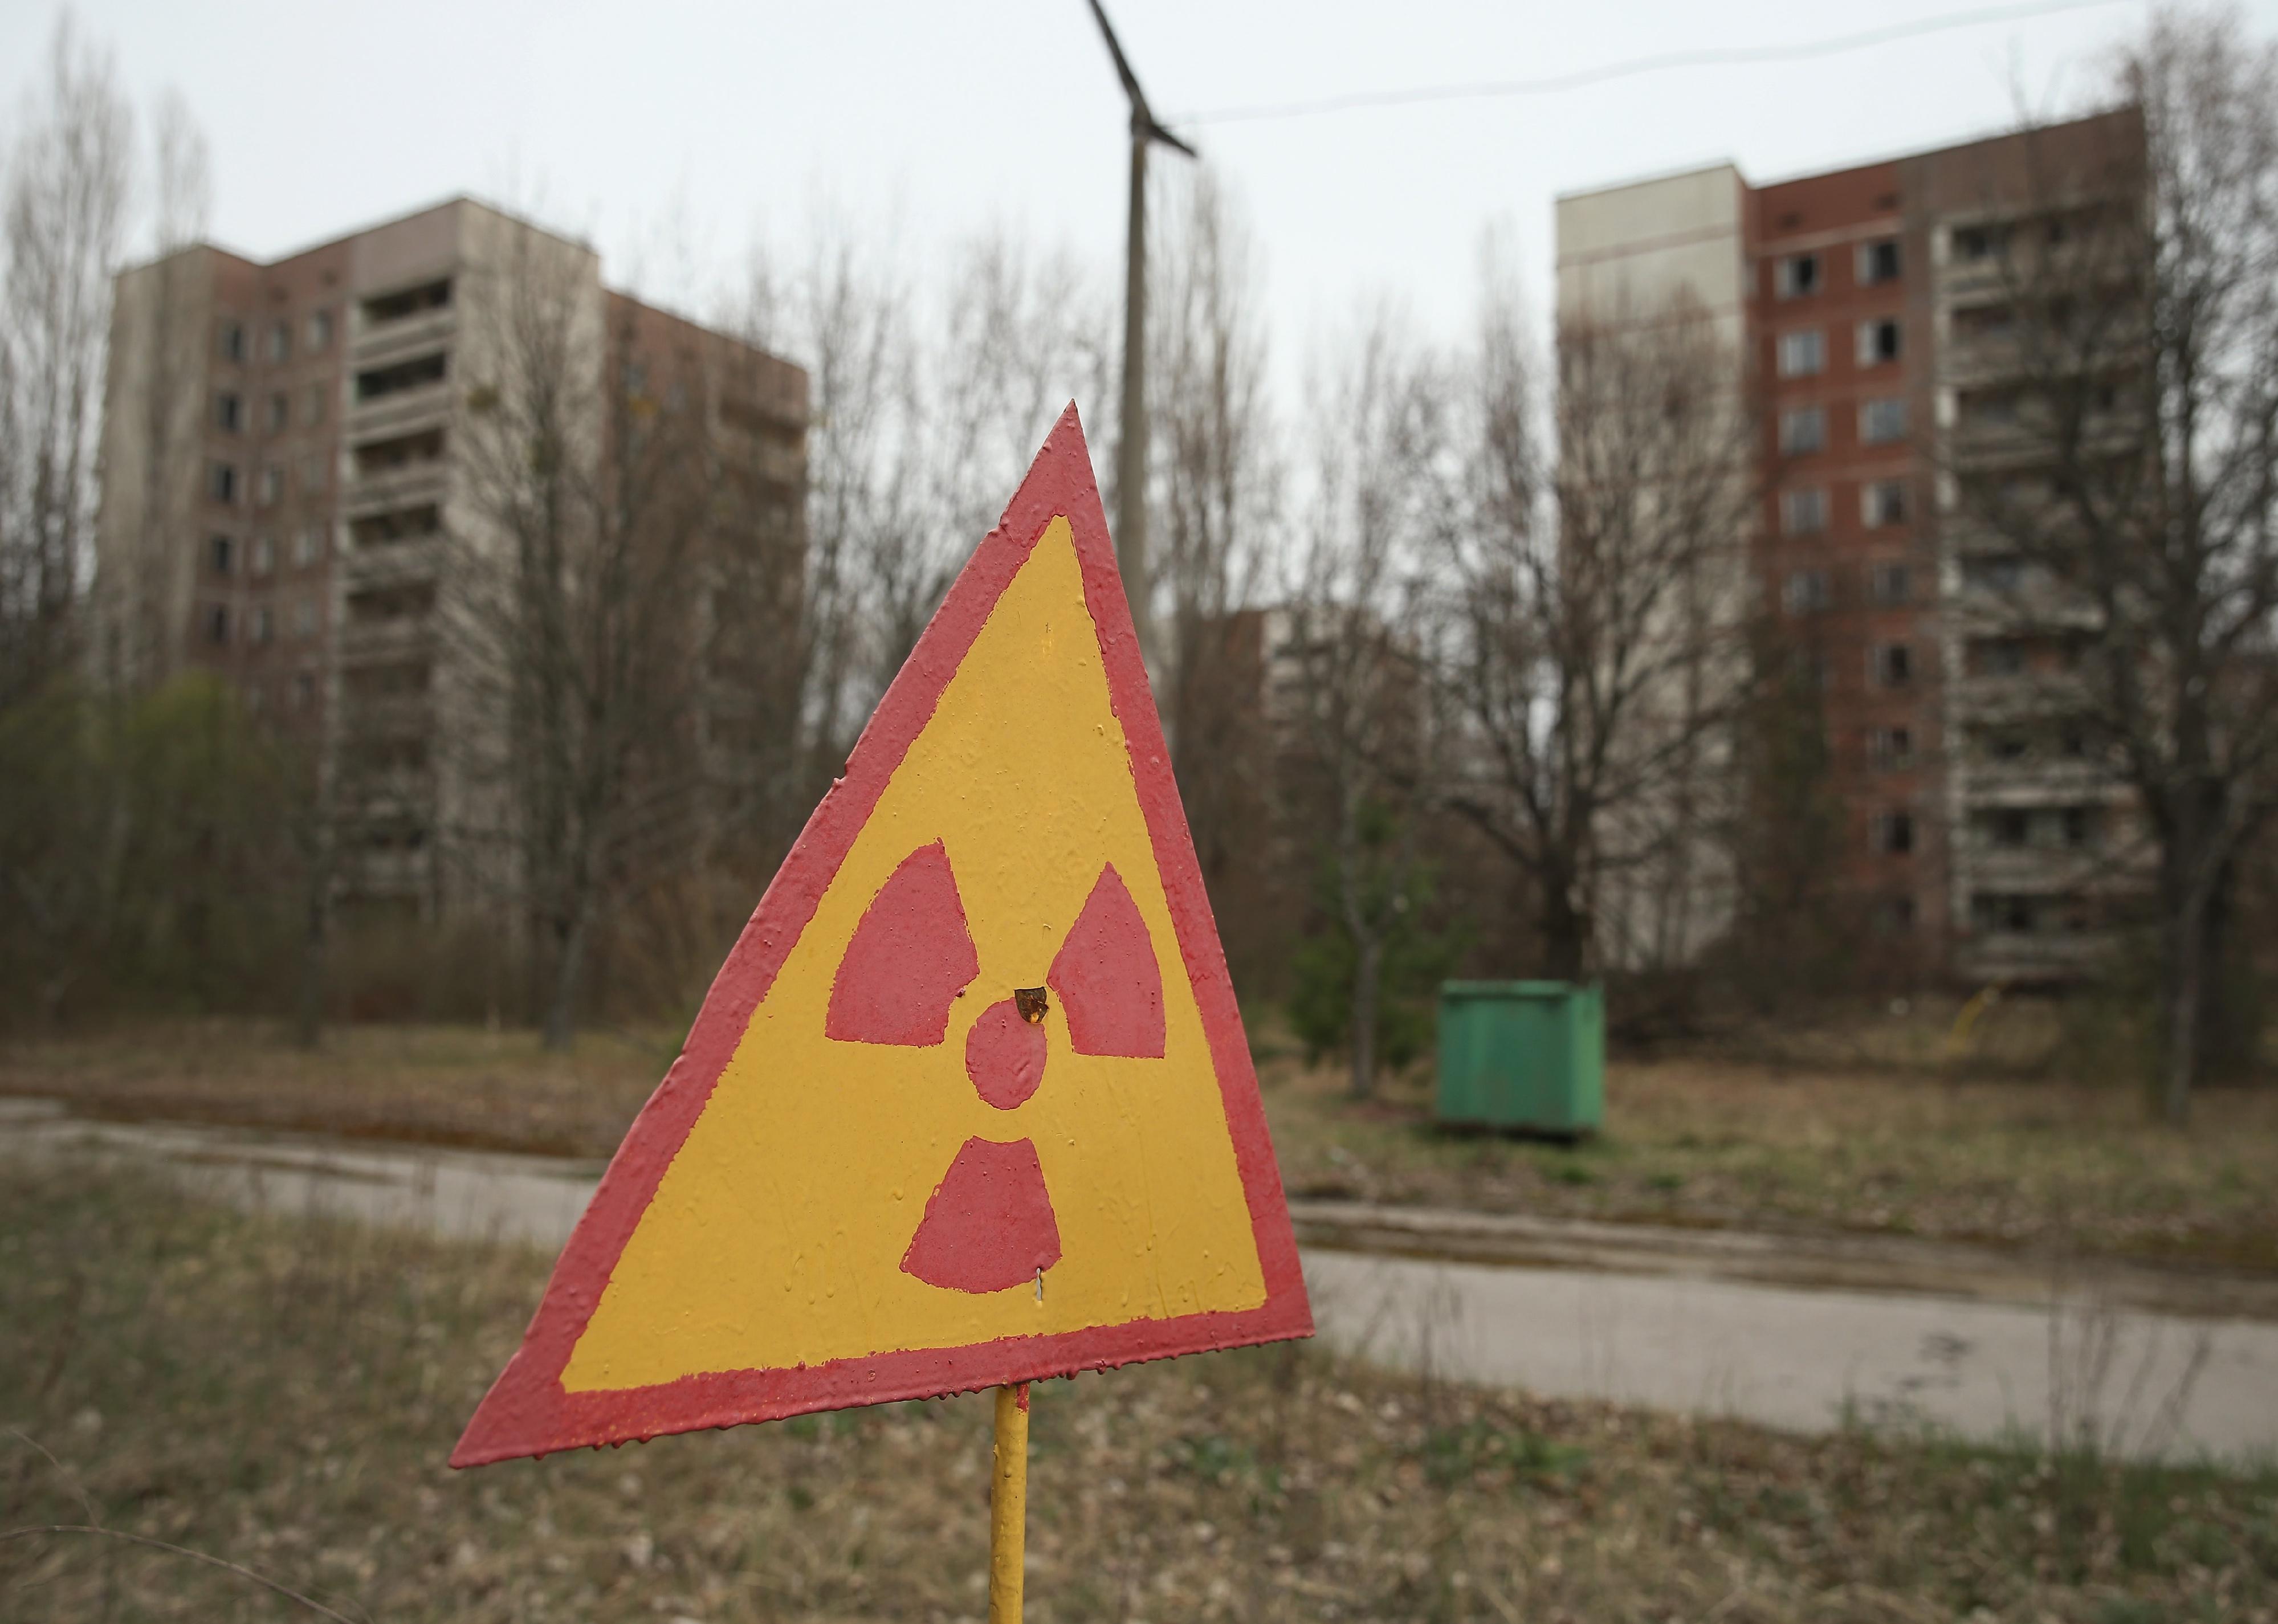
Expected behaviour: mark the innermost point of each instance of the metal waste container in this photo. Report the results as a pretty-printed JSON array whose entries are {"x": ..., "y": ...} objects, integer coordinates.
[{"x": 1528, "y": 1054}]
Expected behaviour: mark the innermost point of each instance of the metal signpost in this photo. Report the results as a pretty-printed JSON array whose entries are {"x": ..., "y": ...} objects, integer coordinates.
[{"x": 969, "y": 1105}]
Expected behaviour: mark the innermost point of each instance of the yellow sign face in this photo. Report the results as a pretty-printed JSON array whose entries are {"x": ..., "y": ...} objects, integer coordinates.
[
  {"x": 779, "y": 1234},
  {"x": 969, "y": 1104}
]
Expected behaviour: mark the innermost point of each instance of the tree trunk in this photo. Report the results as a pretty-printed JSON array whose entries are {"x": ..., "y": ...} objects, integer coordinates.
[
  {"x": 308, "y": 996},
  {"x": 1368, "y": 971},
  {"x": 569, "y": 965},
  {"x": 2185, "y": 997},
  {"x": 1565, "y": 932}
]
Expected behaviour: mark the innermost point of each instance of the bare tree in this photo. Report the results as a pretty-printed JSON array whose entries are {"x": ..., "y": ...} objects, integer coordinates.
[
  {"x": 1595, "y": 602},
  {"x": 2139, "y": 486},
  {"x": 66, "y": 205},
  {"x": 592, "y": 462},
  {"x": 917, "y": 442},
  {"x": 1348, "y": 687}
]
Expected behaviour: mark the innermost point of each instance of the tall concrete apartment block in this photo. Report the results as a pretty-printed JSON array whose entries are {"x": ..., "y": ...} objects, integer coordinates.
[
  {"x": 1867, "y": 309},
  {"x": 288, "y": 493}
]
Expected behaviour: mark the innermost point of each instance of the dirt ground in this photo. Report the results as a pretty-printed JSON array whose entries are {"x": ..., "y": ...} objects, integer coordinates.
[
  {"x": 1890, "y": 1146},
  {"x": 281, "y": 1393}
]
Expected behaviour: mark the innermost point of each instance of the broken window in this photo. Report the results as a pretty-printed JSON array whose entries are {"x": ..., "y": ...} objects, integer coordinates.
[
  {"x": 1878, "y": 261},
  {"x": 1878, "y": 342},
  {"x": 1799, "y": 274}
]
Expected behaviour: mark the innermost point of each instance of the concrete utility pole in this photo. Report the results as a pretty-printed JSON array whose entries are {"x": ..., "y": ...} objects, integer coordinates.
[{"x": 1131, "y": 452}]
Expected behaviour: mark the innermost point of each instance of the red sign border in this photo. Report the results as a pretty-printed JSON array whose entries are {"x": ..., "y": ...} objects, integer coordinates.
[{"x": 527, "y": 1412}]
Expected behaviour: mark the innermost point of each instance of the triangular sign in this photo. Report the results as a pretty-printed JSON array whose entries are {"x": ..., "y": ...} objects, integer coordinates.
[{"x": 969, "y": 1102}]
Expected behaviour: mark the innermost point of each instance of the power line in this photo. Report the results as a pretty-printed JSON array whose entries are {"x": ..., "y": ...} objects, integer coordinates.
[{"x": 1731, "y": 57}]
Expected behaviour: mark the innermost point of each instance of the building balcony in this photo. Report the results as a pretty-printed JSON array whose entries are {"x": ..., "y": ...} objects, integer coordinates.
[
  {"x": 379, "y": 343},
  {"x": 395, "y": 487},
  {"x": 378, "y": 563},
  {"x": 2018, "y": 695},
  {"x": 387, "y": 716},
  {"x": 2028, "y": 782},
  {"x": 1984, "y": 610},
  {"x": 402, "y": 411},
  {"x": 362, "y": 641},
  {"x": 2033, "y": 956},
  {"x": 2055, "y": 870}
]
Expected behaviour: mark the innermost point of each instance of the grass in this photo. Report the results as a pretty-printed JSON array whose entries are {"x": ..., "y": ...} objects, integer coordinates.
[
  {"x": 281, "y": 1392},
  {"x": 1891, "y": 1145},
  {"x": 1710, "y": 1143}
]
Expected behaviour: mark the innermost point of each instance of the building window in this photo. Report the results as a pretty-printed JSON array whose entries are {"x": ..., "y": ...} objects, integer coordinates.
[
  {"x": 2010, "y": 826},
  {"x": 2000, "y": 657},
  {"x": 1883, "y": 501},
  {"x": 221, "y": 482},
  {"x": 320, "y": 330},
  {"x": 218, "y": 624},
  {"x": 1894, "y": 832},
  {"x": 1799, "y": 274},
  {"x": 1891, "y": 586},
  {"x": 1890, "y": 748},
  {"x": 318, "y": 394},
  {"x": 1979, "y": 242},
  {"x": 265, "y": 624},
  {"x": 229, "y": 413},
  {"x": 2005, "y": 573},
  {"x": 1881, "y": 422},
  {"x": 1803, "y": 512},
  {"x": 280, "y": 340},
  {"x": 305, "y": 617},
  {"x": 312, "y": 474},
  {"x": 1802, "y": 354},
  {"x": 271, "y": 486},
  {"x": 1890, "y": 665},
  {"x": 265, "y": 555},
  {"x": 1878, "y": 261},
  {"x": 304, "y": 690},
  {"x": 1878, "y": 342},
  {"x": 2079, "y": 826},
  {"x": 231, "y": 341},
  {"x": 221, "y": 554},
  {"x": 1803, "y": 430},
  {"x": 309, "y": 546},
  {"x": 280, "y": 412},
  {"x": 1806, "y": 591}
]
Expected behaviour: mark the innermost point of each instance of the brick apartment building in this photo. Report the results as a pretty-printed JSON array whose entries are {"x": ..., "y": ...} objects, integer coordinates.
[
  {"x": 1868, "y": 313},
  {"x": 289, "y": 500}
]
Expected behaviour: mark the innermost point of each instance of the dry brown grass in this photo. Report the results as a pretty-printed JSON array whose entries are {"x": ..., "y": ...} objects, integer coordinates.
[
  {"x": 1688, "y": 1141},
  {"x": 1703, "y": 1142},
  {"x": 282, "y": 1393}
]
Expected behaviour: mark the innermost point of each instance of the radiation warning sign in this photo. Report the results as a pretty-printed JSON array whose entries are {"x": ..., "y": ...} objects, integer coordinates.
[{"x": 969, "y": 1104}]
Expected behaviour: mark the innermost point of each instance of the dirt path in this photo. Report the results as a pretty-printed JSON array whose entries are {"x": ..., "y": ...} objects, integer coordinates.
[{"x": 1773, "y": 1329}]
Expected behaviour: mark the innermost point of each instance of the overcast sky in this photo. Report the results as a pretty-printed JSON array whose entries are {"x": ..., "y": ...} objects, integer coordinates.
[{"x": 934, "y": 119}]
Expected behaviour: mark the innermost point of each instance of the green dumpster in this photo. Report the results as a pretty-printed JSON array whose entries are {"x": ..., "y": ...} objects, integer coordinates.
[{"x": 1528, "y": 1055}]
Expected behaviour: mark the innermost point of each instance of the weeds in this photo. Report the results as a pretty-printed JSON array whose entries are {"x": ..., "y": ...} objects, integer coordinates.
[{"x": 281, "y": 1393}]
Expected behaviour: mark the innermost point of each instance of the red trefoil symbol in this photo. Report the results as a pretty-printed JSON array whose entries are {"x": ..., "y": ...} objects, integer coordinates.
[{"x": 989, "y": 1225}]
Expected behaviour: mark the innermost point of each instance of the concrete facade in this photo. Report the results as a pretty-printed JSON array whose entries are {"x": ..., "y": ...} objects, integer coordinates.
[
  {"x": 1978, "y": 839},
  {"x": 290, "y": 499}
]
